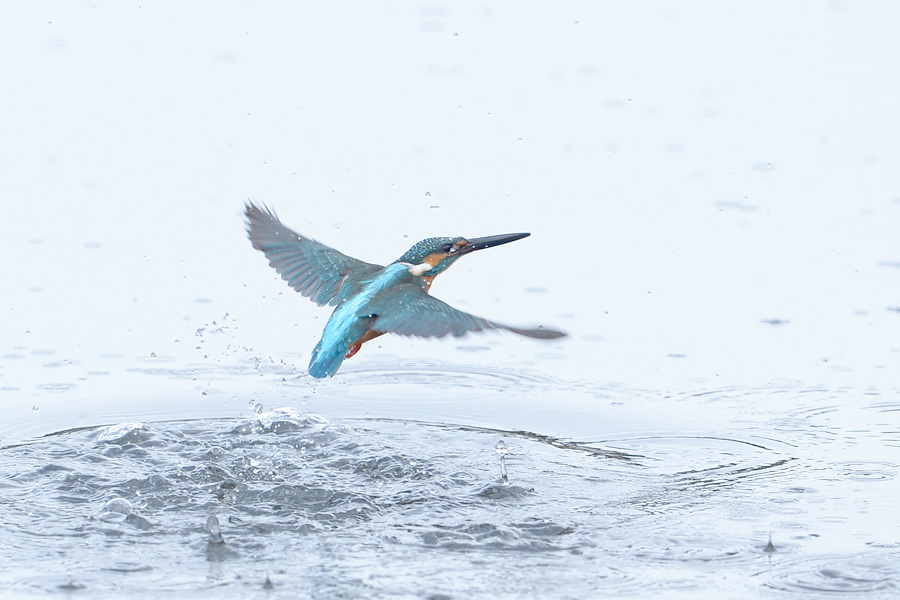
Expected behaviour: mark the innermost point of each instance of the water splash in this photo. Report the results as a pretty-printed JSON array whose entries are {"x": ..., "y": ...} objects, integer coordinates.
[
  {"x": 293, "y": 489},
  {"x": 501, "y": 448},
  {"x": 214, "y": 531}
]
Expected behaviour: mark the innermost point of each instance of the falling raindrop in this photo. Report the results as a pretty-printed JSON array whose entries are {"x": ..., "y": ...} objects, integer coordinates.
[{"x": 153, "y": 356}]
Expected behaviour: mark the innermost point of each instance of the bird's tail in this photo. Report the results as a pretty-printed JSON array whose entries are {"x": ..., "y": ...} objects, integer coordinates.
[{"x": 325, "y": 364}]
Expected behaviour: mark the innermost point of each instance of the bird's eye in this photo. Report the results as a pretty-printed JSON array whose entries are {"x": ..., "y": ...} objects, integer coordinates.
[{"x": 450, "y": 248}]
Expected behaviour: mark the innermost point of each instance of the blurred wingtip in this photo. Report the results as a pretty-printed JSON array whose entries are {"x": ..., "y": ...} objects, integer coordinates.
[
  {"x": 256, "y": 209},
  {"x": 540, "y": 332},
  {"x": 548, "y": 333},
  {"x": 259, "y": 218}
]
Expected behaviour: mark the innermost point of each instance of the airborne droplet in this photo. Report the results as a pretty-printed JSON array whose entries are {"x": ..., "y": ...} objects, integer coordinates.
[
  {"x": 502, "y": 449},
  {"x": 215, "y": 533}
]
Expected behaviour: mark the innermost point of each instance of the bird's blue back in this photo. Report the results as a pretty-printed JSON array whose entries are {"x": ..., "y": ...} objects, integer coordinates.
[{"x": 351, "y": 319}]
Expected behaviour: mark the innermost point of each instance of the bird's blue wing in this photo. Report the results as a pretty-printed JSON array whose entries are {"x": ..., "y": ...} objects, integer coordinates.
[
  {"x": 317, "y": 271},
  {"x": 406, "y": 309}
]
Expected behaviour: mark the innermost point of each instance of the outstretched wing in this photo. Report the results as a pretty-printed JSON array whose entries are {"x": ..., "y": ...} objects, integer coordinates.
[
  {"x": 407, "y": 309},
  {"x": 317, "y": 271}
]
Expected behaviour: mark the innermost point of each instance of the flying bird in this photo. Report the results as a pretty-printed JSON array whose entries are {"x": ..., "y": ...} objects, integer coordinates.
[{"x": 369, "y": 299}]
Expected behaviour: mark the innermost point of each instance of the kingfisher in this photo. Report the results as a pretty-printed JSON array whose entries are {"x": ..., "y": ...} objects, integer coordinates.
[{"x": 369, "y": 299}]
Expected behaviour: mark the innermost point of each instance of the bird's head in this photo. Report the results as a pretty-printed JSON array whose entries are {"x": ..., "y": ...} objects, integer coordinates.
[{"x": 432, "y": 256}]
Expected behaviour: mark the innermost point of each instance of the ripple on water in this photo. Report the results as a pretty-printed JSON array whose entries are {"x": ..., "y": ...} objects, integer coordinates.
[
  {"x": 294, "y": 502},
  {"x": 436, "y": 374},
  {"x": 866, "y": 470},
  {"x": 839, "y": 576},
  {"x": 55, "y": 387},
  {"x": 282, "y": 485}
]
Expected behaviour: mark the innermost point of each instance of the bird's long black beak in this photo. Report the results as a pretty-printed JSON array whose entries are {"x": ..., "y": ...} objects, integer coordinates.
[{"x": 490, "y": 241}]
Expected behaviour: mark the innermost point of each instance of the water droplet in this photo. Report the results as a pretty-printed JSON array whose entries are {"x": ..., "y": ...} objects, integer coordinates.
[
  {"x": 153, "y": 356},
  {"x": 35, "y": 408},
  {"x": 428, "y": 193},
  {"x": 177, "y": 341},
  {"x": 118, "y": 505},
  {"x": 434, "y": 207},
  {"x": 259, "y": 409},
  {"x": 501, "y": 448},
  {"x": 215, "y": 532},
  {"x": 251, "y": 404}
]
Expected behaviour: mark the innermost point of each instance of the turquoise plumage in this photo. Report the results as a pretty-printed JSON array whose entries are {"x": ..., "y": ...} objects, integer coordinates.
[
  {"x": 371, "y": 300},
  {"x": 351, "y": 320}
]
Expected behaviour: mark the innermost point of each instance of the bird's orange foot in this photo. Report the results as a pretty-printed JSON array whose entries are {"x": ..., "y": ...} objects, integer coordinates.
[{"x": 353, "y": 350}]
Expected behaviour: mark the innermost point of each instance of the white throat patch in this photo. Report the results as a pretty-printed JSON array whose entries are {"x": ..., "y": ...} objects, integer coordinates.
[{"x": 419, "y": 270}]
